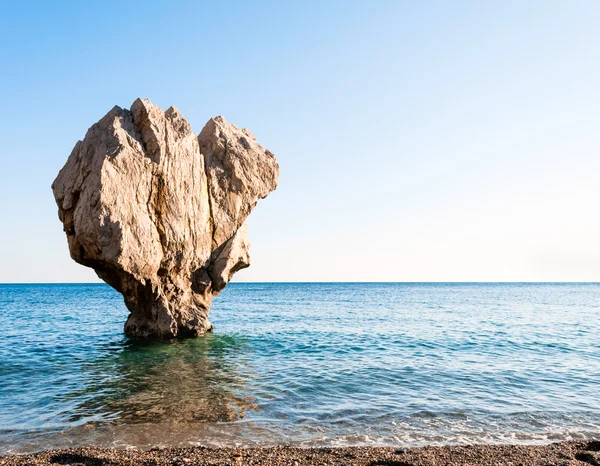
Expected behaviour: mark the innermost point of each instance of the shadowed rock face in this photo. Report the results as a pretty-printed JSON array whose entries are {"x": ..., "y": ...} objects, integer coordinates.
[{"x": 160, "y": 213}]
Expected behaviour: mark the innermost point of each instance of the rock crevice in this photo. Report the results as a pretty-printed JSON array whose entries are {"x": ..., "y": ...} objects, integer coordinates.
[{"x": 161, "y": 214}]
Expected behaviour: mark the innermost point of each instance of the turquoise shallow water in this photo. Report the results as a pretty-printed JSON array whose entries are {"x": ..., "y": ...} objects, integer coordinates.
[{"x": 305, "y": 364}]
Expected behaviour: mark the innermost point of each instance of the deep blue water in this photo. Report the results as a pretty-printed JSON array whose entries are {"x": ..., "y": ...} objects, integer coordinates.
[{"x": 305, "y": 364}]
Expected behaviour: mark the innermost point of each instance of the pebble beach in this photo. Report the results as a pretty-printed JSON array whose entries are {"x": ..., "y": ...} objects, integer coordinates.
[{"x": 564, "y": 453}]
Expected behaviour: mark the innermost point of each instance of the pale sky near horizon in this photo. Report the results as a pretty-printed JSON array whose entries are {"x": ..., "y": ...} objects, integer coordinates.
[{"x": 418, "y": 141}]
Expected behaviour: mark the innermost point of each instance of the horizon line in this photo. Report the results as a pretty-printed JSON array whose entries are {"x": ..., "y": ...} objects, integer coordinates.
[{"x": 338, "y": 282}]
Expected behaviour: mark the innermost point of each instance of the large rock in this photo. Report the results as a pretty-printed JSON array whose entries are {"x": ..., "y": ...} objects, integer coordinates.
[{"x": 160, "y": 214}]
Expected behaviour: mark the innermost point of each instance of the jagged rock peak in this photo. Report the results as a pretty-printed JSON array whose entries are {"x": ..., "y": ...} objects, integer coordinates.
[{"x": 160, "y": 213}]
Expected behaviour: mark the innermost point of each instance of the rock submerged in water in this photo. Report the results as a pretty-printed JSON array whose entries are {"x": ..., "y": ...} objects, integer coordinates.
[{"x": 160, "y": 213}]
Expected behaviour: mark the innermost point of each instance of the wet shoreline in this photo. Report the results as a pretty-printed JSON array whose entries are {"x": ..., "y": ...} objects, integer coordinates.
[{"x": 562, "y": 453}]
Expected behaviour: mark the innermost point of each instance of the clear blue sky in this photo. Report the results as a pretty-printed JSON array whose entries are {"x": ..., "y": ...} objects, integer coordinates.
[{"x": 418, "y": 141}]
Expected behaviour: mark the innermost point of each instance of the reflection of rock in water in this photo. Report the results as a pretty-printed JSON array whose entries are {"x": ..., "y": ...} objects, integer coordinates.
[{"x": 178, "y": 382}]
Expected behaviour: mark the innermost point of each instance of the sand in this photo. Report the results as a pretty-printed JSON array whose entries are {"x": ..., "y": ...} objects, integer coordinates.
[{"x": 582, "y": 453}]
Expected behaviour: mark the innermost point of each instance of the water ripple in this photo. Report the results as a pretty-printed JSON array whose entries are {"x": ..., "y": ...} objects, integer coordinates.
[{"x": 308, "y": 364}]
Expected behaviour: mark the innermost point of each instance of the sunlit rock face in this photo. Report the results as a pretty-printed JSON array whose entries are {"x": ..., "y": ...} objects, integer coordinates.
[{"x": 160, "y": 213}]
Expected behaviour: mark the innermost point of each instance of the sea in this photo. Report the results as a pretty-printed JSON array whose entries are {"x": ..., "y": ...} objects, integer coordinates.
[{"x": 305, "y": 364}]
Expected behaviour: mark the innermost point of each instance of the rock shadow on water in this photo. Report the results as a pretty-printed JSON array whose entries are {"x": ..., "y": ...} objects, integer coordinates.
[{"x": 173, "y": 382}]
